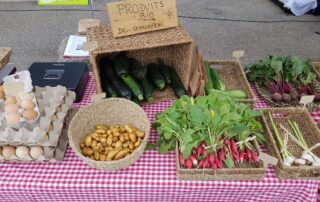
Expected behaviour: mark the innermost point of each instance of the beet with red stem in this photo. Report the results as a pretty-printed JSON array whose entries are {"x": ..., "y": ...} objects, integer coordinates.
[
  {"x": 276, "y": 97},
  {"x": 286, "y": 97}
]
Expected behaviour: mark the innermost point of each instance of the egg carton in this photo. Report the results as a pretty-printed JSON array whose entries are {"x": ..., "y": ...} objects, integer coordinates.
[
  {"x": 46, "y": 131},
  {"x": 50, "y": 154}
]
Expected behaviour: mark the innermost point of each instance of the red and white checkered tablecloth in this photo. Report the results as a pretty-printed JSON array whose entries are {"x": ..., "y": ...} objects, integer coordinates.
[{"x": 151, "y": 178}]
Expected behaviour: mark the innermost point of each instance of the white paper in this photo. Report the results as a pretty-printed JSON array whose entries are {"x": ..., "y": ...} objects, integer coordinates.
[{"x": 75, "y": 48}]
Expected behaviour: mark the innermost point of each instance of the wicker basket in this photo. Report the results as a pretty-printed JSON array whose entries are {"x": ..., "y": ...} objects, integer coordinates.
[
  {"x": 231, "y": 72},
  {"x": 311, "y": 134},
  {"x": 314, "y": 68},
  {"x": 174, "y": 46},
  {"x": 247, "y": 171},
  {"x": 5, "y": 54},
  {"x": 110, "y": 112}
]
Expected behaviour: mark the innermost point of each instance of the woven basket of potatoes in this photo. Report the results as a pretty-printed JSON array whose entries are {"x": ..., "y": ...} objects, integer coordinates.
[{"x": 110, "y": 134}]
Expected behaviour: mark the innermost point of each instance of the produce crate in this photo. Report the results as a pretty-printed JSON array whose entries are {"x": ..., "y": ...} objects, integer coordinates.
[
  {"x": 231, "y": 72},
  {"x": 5, "y": 54},
  {"x": 310, "y": 132},
  {"x": 244, "y": 171},
  {"x": 174, "y": 46}
]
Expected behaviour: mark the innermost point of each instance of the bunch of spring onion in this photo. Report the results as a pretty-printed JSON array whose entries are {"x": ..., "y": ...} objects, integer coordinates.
[{"x": 307, "y": 157}]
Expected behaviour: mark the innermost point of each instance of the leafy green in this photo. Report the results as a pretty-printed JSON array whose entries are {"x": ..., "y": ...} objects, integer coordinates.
[
  {"x": 206, "y": 118},
  {"x": 295, "y": 70}
]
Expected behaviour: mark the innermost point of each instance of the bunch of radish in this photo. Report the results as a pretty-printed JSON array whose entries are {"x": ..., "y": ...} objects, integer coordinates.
[{"x": 203, "y": 157}]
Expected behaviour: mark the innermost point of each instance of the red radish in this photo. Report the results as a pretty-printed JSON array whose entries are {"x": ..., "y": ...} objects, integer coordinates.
[
  {"x": 211, "y": 158},
  {"x": 206, "y": 163},
  {"x": 221, "y": 155},
  {"x": 233, "y": 146},
  {"x": 200, "y": 165},
  {"x": 214, "y": 166},
  {"x": 188, "y": 164},
  {"x": 218, "y": 163},
  {"x": 226, "y": 142},
  {"x": 235, "y": 156},
  {"x": 255, "y": 157},
  {"x": 193, "y": 159},
  {"x": 225, "y": 148},
  {"x": 181, "y": 160},
  {"x": 200, "y": 150},
  {"x": 241, "y": 156},
  {"x": 203, "y": 144},
  {"x": 249, "y": 153},
  {"x": 245, "y": 157},
  {"x": 194, "y": 150}
]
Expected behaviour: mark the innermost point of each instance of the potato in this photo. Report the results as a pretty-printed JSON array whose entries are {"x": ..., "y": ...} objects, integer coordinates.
[
  {"x": 103, "y": 140},
  {"x": 113, "y": 153},
  {"x": 121, "y": 154},
  {"x": 125, "y": 145},
  {"x": 121, "y": 138},
  {"x": 131, "y": 145},
  {"x": 118, "y": 144},
  {"x": 137, "y": 144},
  {"x": 115, "y": 139},
  {"x": 82, "y": 146},
  {"x": 88, "y": 141},
  {"x": 140, "y": 134},
  {"x": 100, "y": 131},
  {"x": 132, "y": 137},
  {"x": 94, "y": 143},
  {"x": 96, "y": 156},
  {"x": 103, "y": 157}
]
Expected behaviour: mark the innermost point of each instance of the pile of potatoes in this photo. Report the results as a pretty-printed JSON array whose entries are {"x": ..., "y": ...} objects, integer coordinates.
[{"x": 111, "y": 143}]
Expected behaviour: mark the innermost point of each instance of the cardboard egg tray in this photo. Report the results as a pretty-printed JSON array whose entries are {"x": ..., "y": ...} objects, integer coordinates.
[
  {"x": 50, "y": 154},
  {"x": 54, "y": 104}
]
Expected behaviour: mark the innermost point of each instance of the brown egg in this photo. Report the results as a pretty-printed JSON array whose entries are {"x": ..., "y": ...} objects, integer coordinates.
[
  {"x": 29, "y": 114},
  {"x": 11, "y": 100},
  {"x": 8, "y": 151},
  {"x": 11, "y": 108},
  {"x": 27, "y": 104},
  {"x": 26, "y": 97},
  {"x": 1, "y": 95},
  {"x": 14, "y": 118}
]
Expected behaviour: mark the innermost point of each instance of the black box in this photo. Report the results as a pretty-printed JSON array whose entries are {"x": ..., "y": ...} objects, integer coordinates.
[{"x": 74, "y": 76}]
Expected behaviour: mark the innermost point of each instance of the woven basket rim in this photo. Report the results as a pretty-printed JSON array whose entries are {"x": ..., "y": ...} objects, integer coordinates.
[{"x": 113, "y": 162}]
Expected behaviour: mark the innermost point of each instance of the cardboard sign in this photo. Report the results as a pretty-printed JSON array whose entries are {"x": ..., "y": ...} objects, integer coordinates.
[
  {"x": 138, "y": 16},
  {"x": 306, "y": 99},
  {"x": 62, "y": 2}
]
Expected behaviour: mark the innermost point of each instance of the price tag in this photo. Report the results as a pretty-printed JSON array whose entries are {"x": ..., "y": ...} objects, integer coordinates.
[
  {"x": 238, "y": 54},
  {"x": 268, "y": 158},
  {"x": 98, "y": 97},
  {"x": 306, "y": 99},
  {"x": 138, "y": 16}
]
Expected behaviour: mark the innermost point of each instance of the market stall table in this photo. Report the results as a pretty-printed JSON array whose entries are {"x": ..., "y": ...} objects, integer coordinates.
[{"x": 151, "y": 178}]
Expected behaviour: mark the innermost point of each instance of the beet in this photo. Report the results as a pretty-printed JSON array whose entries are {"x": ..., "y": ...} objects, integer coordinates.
[
  {"x": 276, "y": 97},
  {"x": 286, "y": 97},
  {"x": 294, "y": 95},
  {"x": 317, "y": 98}
]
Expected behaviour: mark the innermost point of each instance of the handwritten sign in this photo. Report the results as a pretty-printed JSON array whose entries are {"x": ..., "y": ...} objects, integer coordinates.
[
  {"x": 62, "y": 2},
  {"x": 138, "y": 16},
  {"x": 307, "y": 99}
]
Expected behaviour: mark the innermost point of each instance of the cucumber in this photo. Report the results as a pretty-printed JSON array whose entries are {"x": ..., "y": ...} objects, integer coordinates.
[
  {"x": 165, "y": 70},
  {"x": 106, "y": 69},
  {"x": 156, "y": 77},
  {"x": 217, "y": 82},
  {"x": 209, "y": 84},
  {"x": 121, "y": 64},
  {"x": 147, "y": 89},
  {"x": 238, "y": 94},
  {"x": 136, "y": 69},
  {"x": 176, "y": 84},
  {"x": 108, "y": 87},
  {"x": 134, "y": 86},
  {"x": 135, "y": 100}
]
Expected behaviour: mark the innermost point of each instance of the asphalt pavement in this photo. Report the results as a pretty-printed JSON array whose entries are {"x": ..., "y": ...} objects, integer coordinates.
[{"x": 257, "y": 26}]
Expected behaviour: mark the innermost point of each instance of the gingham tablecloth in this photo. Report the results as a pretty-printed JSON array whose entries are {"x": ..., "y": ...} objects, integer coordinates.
[{"x": 151, "y": 178}]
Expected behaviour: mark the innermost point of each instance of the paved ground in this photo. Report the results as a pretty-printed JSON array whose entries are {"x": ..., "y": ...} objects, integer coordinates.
[{"x": 219, "y": 27}]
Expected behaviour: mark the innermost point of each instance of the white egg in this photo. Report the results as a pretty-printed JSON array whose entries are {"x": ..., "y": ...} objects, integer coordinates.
[
  {"x": 36, "y": 152},
  {"x": 8, "y": 151},
  {"x": 22, "y": 152}
]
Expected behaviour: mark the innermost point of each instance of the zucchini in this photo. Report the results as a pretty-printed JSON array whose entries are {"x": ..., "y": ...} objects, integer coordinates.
[
  {"x": 176, "y": 84},
  {"x": 134, "y": 86},
  {"x": 136, "y": 69},
  {"x": 106, "y": 68},
  {"x": 135, "y": 100},
  {"x": 108, "y": 87},
  {"x": 209, "y": 84},
  {"x": 165, "y": 70},
  {"x": 217, "y": 82},
  {"x": 121, "y": 64},
  {"x": 147, "y": 89},
  {"x": 156, "y": 77},
  {"x": 238, "y": 94}
]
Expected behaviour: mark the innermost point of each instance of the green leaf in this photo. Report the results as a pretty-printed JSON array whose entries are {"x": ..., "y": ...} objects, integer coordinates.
[
  {"x": 150, "y": 146},
  {"x": 229, "y": 162},
  {"x": 196, "y": 115},
  {"x": 164, "y": 148},
  {"x": 188, "y": 148},
  {"x": 238, "y": 129},
  {"x": 187, "y": 136}
]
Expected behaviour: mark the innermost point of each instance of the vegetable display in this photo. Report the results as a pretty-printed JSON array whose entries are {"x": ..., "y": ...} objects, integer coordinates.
[
  {"x": 285, "y": 78},
  {"x": 307, "y": 157},
  {"x": 126, "y": 77},
  {"x": 213, "y": 131}
]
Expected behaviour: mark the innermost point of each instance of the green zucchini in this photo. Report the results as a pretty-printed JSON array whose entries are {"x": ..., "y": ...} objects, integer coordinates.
[
  {"x": 156, "y": 77},
  {"x": 165, "y": 70},
  {"x": 134, "y": 86},
  {"x": 209, "y": 84},
  {"x": 238, "y": 94},
  {"x": 106, "y": 69},
  {"x": 176, "y": 84},
  {"x": 121, "y": 64},
  {"x": 108, "y": 87},
  {"x": 217, "y": 82},
  {"x": 147, "y": 89},
  {"x": 135, "y": 100},
  {"x": 137, "y": 70}
]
